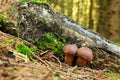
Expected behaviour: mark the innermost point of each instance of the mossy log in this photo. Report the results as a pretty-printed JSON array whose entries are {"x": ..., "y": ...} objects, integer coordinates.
[{"x": 38, "y": 19}]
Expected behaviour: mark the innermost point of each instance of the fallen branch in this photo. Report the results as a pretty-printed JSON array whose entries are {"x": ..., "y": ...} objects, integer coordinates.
[
  {"x": 41, "y": 61},
  {"x": 58, "y": 61},
  {"x": 18, "y": 64},
  {"x": 19, "y": 56}
]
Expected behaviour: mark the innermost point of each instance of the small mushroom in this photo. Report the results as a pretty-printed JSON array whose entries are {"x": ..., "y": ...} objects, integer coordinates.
[
  {"x": 69, "y": 51},
  {"x": 84, "y": 55}
]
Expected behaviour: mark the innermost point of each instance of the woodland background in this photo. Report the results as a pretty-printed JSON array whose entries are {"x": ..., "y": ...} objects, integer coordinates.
[{"x": 103, "y": 16}]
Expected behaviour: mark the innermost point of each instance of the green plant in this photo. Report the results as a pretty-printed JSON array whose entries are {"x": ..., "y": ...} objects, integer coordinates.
[
  {"x": 52, "y": 42},
  {"x": 6, "y": 42},
  {"x": 41, "y": 20},
  {"x": 2, "y": 21},
  {"x": 0, "y": 46},
  {"x": 10, "y": 37},
  {"x": 22, "y": 48},
  {"x": 33, "y": 50},
  {"x": 57, "y": 74},
  {"x": 4, "y": 24},
  {"x": 35, "y": 1},
  {"x": 109, "y": 73}
]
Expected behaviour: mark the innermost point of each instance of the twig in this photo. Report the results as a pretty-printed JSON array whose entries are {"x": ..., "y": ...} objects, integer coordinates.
[
  {"x": 26, "y": 42},
  {"x": 19, "y": 55},
  {"x": 70, "y": 70},
  {"x": 17, "y": 64},
  {"x": 41, "y": 60},
  {"x": 44, "y": 52},
  {"x": 58, "y": 61},
  {"x": 46, "y": 75}
]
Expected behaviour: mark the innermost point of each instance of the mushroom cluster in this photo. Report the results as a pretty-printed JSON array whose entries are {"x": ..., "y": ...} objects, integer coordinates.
[{"x": 84, "y": 54}]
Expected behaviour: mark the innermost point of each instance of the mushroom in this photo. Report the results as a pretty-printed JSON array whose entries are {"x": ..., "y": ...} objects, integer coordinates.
[
  {"x": 69, "y": 51},
  {"x": 84, "y": 55}
]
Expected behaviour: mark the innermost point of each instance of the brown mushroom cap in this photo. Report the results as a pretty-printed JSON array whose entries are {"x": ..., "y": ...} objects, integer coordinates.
[
  {"x": 70, "y": 49},
  {"x": 85, "y": 53}
]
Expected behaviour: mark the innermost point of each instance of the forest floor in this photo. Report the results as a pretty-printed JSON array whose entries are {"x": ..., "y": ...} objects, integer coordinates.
[{"x": 12, "y": 68}]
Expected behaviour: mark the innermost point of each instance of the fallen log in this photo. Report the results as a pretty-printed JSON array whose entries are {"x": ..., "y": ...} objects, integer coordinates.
[
  {"x": 96, "y": 40},
  {"x": 37, "y": 19}
]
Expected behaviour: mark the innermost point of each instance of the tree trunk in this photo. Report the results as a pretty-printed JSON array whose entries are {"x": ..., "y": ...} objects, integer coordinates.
[
  {"x": 74, "y": 10},
  {"x": 91, "y": 15},
  {"x": 69, "y": 8},
  {"x": 78, "y": 11},
  {"x": 109, "y": 19}
]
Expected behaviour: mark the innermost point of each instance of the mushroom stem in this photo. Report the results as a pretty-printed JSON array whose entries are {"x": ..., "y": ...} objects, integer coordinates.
[
  {"x": 69, "y": 59},
  {"x": 81, "y": 62}
]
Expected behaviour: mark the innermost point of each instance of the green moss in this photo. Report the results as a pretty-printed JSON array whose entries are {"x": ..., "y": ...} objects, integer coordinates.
[
  {"x": 33, "y": 50},
  {"x": 6, "y": 41},
  {"x": 22, "y": 48},
  {"x": 0, "y": 46},
  {"x": 2, "y": 21},
  {"x": 35, "y": 1},
  {"x": 41, "y": 21},
  {"x": 109, "y": 73},
  {"x": 50, "y": 41},
  {"x": 10, "y": 37},
  {"x": 7, "y": 26},
  {"x": 56, "y": 74},
  {"x": 116, "y": 42}
]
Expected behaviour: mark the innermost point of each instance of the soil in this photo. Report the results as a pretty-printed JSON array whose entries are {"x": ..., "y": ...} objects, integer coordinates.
[{"x": 12, "y": 68}]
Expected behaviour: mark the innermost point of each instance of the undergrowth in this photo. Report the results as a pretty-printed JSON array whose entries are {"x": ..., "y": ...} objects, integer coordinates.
[
  {"x": 6, "y": 42},
  {"x": 110, "y": 73},
  {"x": 35, "y": 1},
  {"x": 7, "y": 26},
  {"x": 50, "y": 41},
  {"x": 22, "y": 48}
]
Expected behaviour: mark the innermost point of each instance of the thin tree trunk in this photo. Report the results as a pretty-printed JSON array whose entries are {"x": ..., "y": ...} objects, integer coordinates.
[
  {"x": 74, "y": 10},
  {"x": 91, "y": 15},
  {"x": 78, "y": 12},
  {"x": 62, "y": 6},
  {"x": 69, "y": 7}
]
